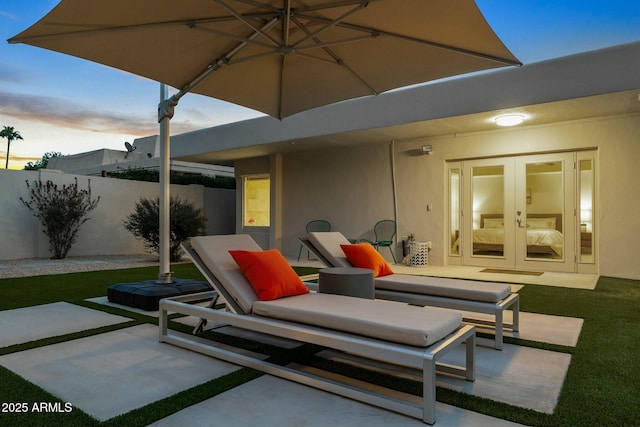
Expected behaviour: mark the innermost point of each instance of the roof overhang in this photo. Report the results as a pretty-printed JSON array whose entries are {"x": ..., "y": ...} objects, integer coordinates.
[{"x": 593, "y": 84}]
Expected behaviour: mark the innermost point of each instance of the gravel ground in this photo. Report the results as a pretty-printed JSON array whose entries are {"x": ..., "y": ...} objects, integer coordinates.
[{"x": 42, "y": 266}]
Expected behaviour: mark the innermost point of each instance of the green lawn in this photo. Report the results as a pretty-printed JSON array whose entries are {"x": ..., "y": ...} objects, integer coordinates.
[{"x": 601, "y": 388}]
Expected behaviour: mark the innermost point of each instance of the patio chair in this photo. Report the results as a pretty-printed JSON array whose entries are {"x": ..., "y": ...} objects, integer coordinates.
[
  {"x": 384, "y": 232},
  {"x": 312, "y": 226},
  {"x": 388, "y": 332},
  {"x": 468, "y": 296}
]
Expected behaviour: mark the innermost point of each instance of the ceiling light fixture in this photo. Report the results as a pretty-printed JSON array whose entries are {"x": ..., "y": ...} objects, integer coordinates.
[{"x": 509, "y": 120}]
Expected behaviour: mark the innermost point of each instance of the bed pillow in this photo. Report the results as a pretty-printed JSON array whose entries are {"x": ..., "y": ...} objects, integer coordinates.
[
  {"x": 542, "y": 223},
  {"x": 269, "y": 274},
  {"x": 364, "y": 255}
]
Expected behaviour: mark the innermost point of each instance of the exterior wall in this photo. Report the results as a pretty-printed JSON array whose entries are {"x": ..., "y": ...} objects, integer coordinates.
[
  {"x": 104, "y": 233},
  {"x": 422, "y": 180},
  {"x": 353, "y": 187},
  {"x": 220, "y": 210}
]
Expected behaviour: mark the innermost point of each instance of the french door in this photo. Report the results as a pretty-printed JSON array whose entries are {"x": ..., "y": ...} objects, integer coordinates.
[{"x": 521, "y": 212}]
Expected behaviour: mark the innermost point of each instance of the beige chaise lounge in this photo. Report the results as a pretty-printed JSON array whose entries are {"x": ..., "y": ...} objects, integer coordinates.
[
  {"x": 390, "y": 332},
  {"x": 464, "y": 295}
]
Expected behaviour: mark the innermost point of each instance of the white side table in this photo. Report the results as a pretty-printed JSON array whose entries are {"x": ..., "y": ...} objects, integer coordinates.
[{"x": 349, "y": 281}]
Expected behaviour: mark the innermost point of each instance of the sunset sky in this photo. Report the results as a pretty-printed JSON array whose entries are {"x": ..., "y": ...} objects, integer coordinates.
[{"x": 60, "y": 103}]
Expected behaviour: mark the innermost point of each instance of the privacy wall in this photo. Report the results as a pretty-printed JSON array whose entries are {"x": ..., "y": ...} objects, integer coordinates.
[{"x": 104, "y": 233}]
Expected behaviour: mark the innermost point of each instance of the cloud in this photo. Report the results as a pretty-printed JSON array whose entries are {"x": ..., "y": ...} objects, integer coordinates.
[
  {"x": 11, "y": 74},
  {"x": 17, "y": 159},
  {"x": 68, "y": 114},
  {"x": 7, "y": 15}
]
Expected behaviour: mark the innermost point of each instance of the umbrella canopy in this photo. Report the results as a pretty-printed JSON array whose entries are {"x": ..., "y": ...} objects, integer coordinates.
[
  {"x": 275, "y": 56},
  {"x": 278, "y": 57}
]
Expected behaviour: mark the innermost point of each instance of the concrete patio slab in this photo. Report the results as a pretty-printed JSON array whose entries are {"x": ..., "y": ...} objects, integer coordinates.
[
  {"x": 44, "y": 321},
  {"x": 565, "y": 280},
  {"x": 105, "y": 301},
  {"x": 549, "y": 329},
  {"x": 131, "y": 369},
  {"x": 275, "y": 402},
  {"x": 113, "y": 373},
  {"x": 520, "y": 376},
  {"x": 544, "y": 328}
]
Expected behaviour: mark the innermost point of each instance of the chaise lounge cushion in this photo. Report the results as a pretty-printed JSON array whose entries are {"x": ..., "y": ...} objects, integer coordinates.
[
  {"x": 214, "y": 252},
  {"x": 328, "y": 244},
  {"x": 449, "y": 288},
  {"x": 269, "y": 273},
  {"x": 384, "y": 320}
]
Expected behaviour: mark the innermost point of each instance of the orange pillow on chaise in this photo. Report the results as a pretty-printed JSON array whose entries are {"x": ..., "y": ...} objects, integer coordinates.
[
  {"x": 269, "y": 274},
  {"x": 364, "y": 255}
]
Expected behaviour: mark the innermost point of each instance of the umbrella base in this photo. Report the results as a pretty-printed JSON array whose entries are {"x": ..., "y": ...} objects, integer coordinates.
[{"x": 147, "y": 294}]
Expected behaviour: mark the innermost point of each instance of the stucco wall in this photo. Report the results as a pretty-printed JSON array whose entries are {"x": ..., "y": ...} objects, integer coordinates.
[
  {"x": 352, "y": 186},
  {"x": 219, "y": 208},
  {"x": 104, "y": 233},
  {"x": 618, "y": 151}
]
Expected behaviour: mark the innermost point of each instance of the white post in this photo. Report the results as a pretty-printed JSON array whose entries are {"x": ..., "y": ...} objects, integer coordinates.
[{"x": 165, "y": 112}]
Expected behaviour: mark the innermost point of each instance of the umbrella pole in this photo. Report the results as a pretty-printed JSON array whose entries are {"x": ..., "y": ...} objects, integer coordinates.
[{"x": 165, "y": 112}]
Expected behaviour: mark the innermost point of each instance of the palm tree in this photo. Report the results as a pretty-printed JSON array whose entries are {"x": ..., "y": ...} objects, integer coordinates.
[{"x": 11, "y": 134}]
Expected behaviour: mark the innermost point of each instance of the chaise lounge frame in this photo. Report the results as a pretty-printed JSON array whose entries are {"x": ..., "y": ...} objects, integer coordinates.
[
  {"x": 424, "y": 359},
  {"x": 494, "y": 309}
]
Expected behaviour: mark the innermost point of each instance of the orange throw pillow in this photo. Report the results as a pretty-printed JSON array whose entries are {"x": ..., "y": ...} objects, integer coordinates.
[
  {"x": 269, "y": 274},
  {"x": 364, "y": 255}
]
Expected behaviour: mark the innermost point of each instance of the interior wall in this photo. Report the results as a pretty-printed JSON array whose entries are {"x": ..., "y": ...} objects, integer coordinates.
[
  {"x": 488, "y": 197},
  {"x": 546, "y": 192}
]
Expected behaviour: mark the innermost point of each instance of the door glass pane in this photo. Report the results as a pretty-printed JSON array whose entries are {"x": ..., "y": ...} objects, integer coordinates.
[
  {"x": 488, "y": 210},
  {"x": 544, "y": 208},
  {"x": 454, "y": 211},
  {"x": 586, "y": 210}
]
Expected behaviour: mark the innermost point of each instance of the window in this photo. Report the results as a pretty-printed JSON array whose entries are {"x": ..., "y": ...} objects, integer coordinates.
[{"x": 256, "y": 201}]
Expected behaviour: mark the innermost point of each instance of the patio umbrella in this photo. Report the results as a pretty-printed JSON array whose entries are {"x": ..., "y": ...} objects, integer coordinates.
[{"x": 279, "y": 57}]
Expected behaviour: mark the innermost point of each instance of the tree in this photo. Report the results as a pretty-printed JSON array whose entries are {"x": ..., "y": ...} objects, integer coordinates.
[
  {"x": 186, "y": 221},
  {"x": 10, "y": 134},
  {"x": 42, "y": 164},
  {"x": 61, "y": 212}
]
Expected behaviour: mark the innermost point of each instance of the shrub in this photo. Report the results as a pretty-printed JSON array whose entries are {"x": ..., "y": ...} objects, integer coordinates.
[
  {"x": 61, "y": 212},
  {"x": 185, "y": 221}
]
